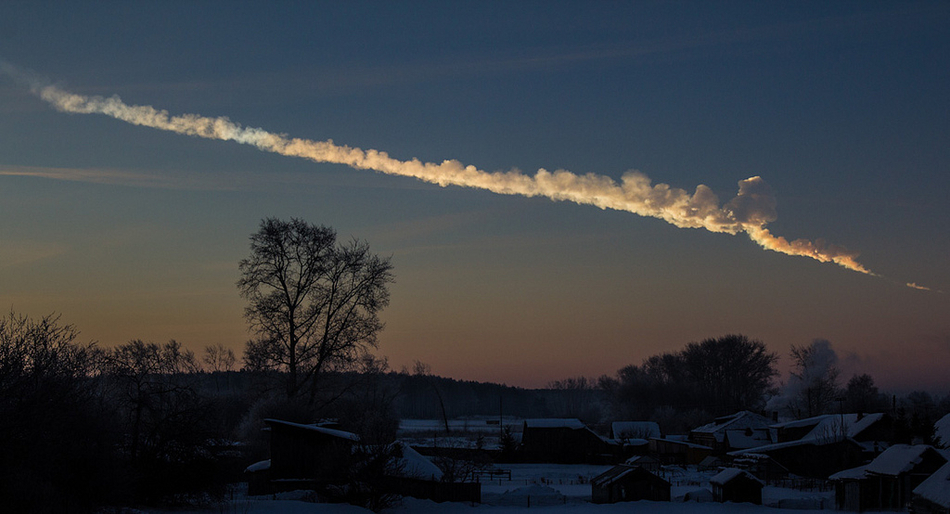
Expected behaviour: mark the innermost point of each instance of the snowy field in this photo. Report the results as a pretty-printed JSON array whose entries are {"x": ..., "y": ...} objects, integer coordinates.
[{"x": 552, "y": 488}]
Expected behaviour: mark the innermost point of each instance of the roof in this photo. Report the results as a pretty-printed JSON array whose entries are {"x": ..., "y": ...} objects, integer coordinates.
[
  {"x": 744, "y": 438},
  {"x": 936, "y": 488},
  {"x": 857, "y": 473},
  {"x": 416, "y": 465},
  {"x": 638, "y": 460},
  {"x": 899, "y": 459},
  {"x": 729, "y": 474},
  {"x": 833, "y": 425},
  {"x": 640, "y": 429},
  {"x": 263, "y": 465},
  {"x": 788, "y": 444},
  {"x": 572, "y": 423},
  {"x": 741, "y": 419},
  {"x": 942, "y": 429},
  {"x": 619, "y": 471},
  {"x": 315, "y": 428},
  {"x": 894, "y": 461}
]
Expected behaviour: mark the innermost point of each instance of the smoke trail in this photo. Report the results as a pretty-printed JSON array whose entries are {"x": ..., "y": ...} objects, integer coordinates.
[{"x": 749, "y": 212}]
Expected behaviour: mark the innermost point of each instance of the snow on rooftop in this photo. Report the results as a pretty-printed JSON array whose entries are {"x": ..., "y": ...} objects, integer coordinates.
[
  {"x": 937, "y": 487},
  {"x": 263, "y": 465},
  {"x": 750, "y": 419},
  {"x": 728, "y": 474},
  {"x": 416, "y": 465},
  {"x": 316, "y": 428},
  {"x": 851, "y": 474},
  {"x": 942, "y": 429},
  {"x": 572, "y": 423},
  {"x": 898, "y": 459}
]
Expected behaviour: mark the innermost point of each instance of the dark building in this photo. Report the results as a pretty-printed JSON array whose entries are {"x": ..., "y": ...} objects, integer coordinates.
[
  {"x": 887, "y": 482},
  {"x": 565, "y": 441},
  {"x": 932, "y": 496},
  {"x": 748, "y": 427},
  {"x": 624, "y": 483},
  {"x": 302, "y": 457},
  {"x": 736, "y": 485},
  {"x": 812, "y": 458}
]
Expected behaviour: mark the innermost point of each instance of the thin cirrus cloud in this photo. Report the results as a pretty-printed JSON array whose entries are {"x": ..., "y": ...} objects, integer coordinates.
[{"x": 749, "y": 212}]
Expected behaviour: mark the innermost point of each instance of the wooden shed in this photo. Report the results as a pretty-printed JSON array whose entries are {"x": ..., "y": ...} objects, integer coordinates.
[
  {"x": 736, "y": 485},
  {"x": 623, "y": 483}
]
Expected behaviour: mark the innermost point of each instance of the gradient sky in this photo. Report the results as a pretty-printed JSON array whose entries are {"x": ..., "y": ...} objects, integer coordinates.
[{"x": 843, "y": 109}]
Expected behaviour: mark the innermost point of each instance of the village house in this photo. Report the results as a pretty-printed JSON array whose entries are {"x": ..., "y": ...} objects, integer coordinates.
[
  {"x": 886, "y": 483},
  {"x": 301, "y": 457},
  {"x": 932, "y": 496},
  {"x": 747, "y": 429},
  {"x": 564, "y": 441},
  {"x": 872, "y": 431},
  {"x": 812, "y": 458},
  {"x": 624, "y": 483},
  {"x": 736, "y": 485}
]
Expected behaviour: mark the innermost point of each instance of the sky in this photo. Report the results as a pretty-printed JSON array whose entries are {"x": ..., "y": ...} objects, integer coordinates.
[{"x": 609, "y": 180}]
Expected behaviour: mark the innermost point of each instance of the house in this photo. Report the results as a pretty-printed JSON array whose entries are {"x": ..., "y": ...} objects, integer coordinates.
[
  {"x": 564, "y": 441},
  {"x": 744, "y": 425},
  {"x": 813, "y": 458},
  {"x": 675, "y": 451},
  {"x": 872, "y": 431},
  {"x": 736, "y": 485},
  {"x": 887, "y": 482},
  {"x": 932, "y": 496},
  {"x": 302, "y": 456},
  {"x": 623, "y": 483}
]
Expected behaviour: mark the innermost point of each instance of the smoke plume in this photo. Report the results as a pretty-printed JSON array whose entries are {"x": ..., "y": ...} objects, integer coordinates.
[{"x": 749, "y": 212}]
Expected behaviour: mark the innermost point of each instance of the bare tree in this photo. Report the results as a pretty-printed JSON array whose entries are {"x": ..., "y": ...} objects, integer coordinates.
[
  {"x": 219, "y": 359},
  {"x": 312, "y": 302},
  {"x": 814, "y": 380}
]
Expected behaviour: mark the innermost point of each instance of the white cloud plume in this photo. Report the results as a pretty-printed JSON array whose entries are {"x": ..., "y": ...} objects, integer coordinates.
[{"x": 749, "y": 212}]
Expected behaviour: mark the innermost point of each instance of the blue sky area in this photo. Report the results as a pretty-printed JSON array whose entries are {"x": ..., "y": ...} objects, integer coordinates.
[{"x": 842, "y": 108}]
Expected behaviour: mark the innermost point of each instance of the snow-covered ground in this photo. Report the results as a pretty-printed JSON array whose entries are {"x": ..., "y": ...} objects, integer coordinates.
[{"x": 553, "y": 488}]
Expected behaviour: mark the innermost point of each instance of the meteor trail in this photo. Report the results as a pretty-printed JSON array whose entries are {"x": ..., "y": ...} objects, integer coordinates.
[{"x": 748, "y": 212}]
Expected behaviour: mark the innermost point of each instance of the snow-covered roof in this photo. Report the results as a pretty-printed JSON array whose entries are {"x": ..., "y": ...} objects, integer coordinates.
[
  {"x": 898, "y": 459},
  {"x": 316, "y": 428},
  {"x": 617, "y": 472},
  {"x": 893, "y": 461},
  {"x": 936, "y": 488},
  {"x": 779, "y": 446},
  {"x": 572, "y": 423},
  {"x": 638, "y": 460},
  {"x": 263, "y": 465},
  {"x": 833, "y": 425},
  {"x": 741, "y": 438},
  {"x": 611, "y": 475},
  {"x": 942, "y": 429},
  {"x": 416, "y": 465},
  {"x": 741, "y": 419},
  {"x": 730, "y": 474},
  {"x": 851, "y": 474},
  {"x": 639, "y": 429}
]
